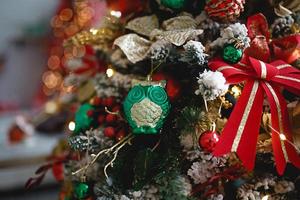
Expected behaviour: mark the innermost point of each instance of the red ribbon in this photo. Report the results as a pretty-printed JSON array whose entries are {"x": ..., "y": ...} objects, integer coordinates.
[
  {"x": 241, "y": 131},
  {"x": 262, "y": 48}
]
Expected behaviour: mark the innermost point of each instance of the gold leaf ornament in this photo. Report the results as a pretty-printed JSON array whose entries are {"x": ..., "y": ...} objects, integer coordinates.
[
  {"x": 135, "y": 47},
  {"x": 180, "y": 22},
  {"x": 286, "y": 7},
  {"x": 176, "y": 37},
  {"x": 143, "y": 25}
]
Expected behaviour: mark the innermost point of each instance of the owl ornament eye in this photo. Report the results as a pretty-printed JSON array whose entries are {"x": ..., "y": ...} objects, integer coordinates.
[{"x": 146, "y": 107}]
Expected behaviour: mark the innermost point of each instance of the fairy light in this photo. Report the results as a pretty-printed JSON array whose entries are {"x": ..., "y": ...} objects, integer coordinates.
[
  {"x": 93, "y": 31},
  {"x": 51, "y": 107},
  {"x": 236, "y": 91},
  {"x": 71, "y": 126},
  {"x": 116, "y": 13},
  {"x": 266, "y": 197},
  {"x": 109, "y": 72},
  {"x": 282, "y": 137}
]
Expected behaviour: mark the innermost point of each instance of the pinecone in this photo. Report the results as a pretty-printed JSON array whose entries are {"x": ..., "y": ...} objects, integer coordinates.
[
  {"x": 194, "y": 53},
  {"x": 95, "y": 137},
  {"x": 224, "y": 10},
  {"x": 282, "y": 26},
  {"x": 78, "y": 143},
  {"x": 159, "y": 51}
]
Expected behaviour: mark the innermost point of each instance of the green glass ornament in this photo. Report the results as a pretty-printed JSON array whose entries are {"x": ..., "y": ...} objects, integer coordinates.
[
  {"x": 146, "y": 107},
  {"x": 174, "y": 4},
  {"x": 231, "y": 54},
  {"x": 82, "y": 120},
  {"x": 81, "y": 190}
]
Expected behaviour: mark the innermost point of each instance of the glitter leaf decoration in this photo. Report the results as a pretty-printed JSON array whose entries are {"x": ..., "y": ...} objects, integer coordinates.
[
  {"x": 143, "y": 25},
  {"x": 176, "y": 37},
  {"x": 180, "y": 22},
  {"x": 134, "y": 47}
]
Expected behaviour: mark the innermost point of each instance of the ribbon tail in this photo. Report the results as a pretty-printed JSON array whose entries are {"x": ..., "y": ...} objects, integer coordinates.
[
  {"x": 293, "y": 156},
  {"x": 282, "y": 149},
  {"x": 241, "y": 131},
  {"x": 290, "y": 82}
]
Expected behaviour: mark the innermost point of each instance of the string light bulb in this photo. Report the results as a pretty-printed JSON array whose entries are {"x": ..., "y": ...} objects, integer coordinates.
[
  {"x": 236, "y": 91},
  {"x": 51, "y": 107},
  {"x": 93, "y": 31},
  {"x": 115, "y": 13},
  {"x": 282, "y": 137},
  {"x": 71, "y": 126},
  {"x": 109, "y": 72}
]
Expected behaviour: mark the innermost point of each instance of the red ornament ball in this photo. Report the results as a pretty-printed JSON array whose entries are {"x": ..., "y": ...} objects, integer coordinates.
[
  {"x": 208, "y": 140},
  {"x": 109, "y": 132}
]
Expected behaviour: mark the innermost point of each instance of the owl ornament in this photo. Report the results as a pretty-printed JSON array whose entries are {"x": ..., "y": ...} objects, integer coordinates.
[{"x": 146, "y": 107}]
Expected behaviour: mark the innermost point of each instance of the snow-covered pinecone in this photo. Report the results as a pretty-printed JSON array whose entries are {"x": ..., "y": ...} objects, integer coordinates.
[
  {"x": 232, "y": 34},
  {"x": 282, "y": 26},
  {"x": 194, "y": 53},
  {"x": 159, "y": 51},
  {"x": 104, "y": 87},
  {"x": 94, "y": 139}
]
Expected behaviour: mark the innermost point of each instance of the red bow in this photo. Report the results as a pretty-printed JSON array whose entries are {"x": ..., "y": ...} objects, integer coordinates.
[
  {"x": 241, "y": 131},
  {"x": 286, "y": 48}
]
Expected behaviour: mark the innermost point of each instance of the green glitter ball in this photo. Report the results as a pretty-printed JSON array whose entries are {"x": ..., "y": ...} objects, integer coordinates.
[
  {"x": 81, "y": 190},
  {"x": 146, "y": 108},
  {"x": 82, "y": 120},
  {"x": 232, "y": 54},
  {"x": 174, "y": 4}
]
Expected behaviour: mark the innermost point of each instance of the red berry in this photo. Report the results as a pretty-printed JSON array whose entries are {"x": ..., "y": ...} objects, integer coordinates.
[
  {"x": 120, "y": 135},
  {"x": 101, "y": 119},
  {"x": 109, "y": 132},
  {"x": 116, "y": 109},
  {"x": 110, "y": 118},
  {"x": 90, "y": 113},
  {"x": 109, "y": 101}
]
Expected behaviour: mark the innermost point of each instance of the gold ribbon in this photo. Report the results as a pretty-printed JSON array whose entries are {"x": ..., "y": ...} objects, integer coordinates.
[
  {"x": 245, "y": 116},
  {"x": 279, "y": 120},
  {"x": 288, "y": 78},
  {"x": 263, "y": 70}
]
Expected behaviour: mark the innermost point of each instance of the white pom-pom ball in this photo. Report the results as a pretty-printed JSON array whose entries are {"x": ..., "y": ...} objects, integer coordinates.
[{"x": 211, "y": 84}]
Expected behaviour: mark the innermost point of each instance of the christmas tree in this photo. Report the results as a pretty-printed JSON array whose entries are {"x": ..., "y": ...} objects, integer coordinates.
[{"x": 186, "y": 99}]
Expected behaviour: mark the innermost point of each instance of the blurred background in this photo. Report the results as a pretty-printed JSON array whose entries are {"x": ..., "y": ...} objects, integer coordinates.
[{"x": 32, "y": 66}]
